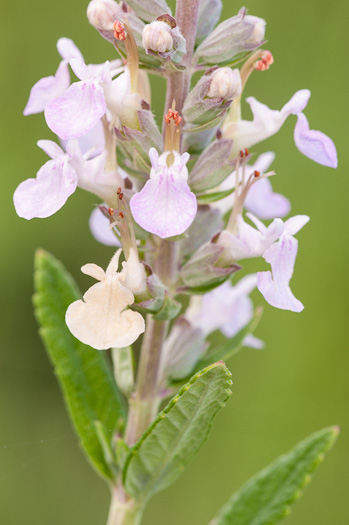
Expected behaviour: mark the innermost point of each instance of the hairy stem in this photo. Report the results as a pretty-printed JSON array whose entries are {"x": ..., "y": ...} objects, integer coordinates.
[
  {"x": 178, "y": 83},
  {"x": 144, "y": 403}
]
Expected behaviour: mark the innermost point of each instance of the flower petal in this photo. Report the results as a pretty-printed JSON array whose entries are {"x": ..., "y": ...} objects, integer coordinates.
[
  {"x": 263, "y": 202},
  {"x": 135, "y": 277},
  {"x": 297, "y": 103},
  {"x": 79, "y": 67},
  {"x": 48, "y": 88},
  {"x": 314, "y": 144},
  {"x": 165, "y": 206},
  {"x": 93, "y": 270},
  {"x": 99, "y": 226},
  {"x": 77, "y": 111},
  {"x": 275, "y": 286},
  {"x": 296, "y": 223},
  {"x": 42, "y": 197},
  {"x": 68, "y": 50},
  {"x": 101, "y": 321},
  {"x": 51, "y": 149},
  {"x": 253, "y": 342},
  {"x": 91, "y": 144},
  {"x": 266, "y": 122}
]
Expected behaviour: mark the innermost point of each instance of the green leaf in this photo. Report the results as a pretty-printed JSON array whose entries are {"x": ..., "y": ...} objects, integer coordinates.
[
  {"x": 266, "y": 498},
  {"x": 208, "y": 125},
  {"x": 87, "y": 382},
  {"x": 169, "y": 310},
  {"x": 214, "y": 196},
  {"x": 177, "y": 434}
]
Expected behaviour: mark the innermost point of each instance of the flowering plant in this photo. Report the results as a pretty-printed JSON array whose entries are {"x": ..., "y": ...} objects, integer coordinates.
[{"x": 173, "y": 205}]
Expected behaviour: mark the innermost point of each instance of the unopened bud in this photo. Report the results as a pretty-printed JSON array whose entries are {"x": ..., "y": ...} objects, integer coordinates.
[
  {"x": 240, "y": 34},
  {"x": 163, "y": 38},
  {"x": 226, "y": 83},
  {"x": 102, "y": 13},
  {"x": 259, "y": 29},
  {"x": 157, "y": 37}
]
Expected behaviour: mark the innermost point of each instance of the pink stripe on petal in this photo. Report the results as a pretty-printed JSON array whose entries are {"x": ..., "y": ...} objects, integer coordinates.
[
  {"x": 165, "y": 206},
  {"x": 314, "y": 144},
  {"x": 77, "y": 111},
  {"x": 42, "y": 197}
]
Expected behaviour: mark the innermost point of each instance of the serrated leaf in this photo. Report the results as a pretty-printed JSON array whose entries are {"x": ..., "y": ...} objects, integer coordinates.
[
  {"x": 177, "y": 434},
  {"x": 87, "y": 382},
  {"x": 266, "y": 498}
]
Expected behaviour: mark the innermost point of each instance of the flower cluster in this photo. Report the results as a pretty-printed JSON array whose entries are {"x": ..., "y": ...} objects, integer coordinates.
[{"x": 185, "y": 190}]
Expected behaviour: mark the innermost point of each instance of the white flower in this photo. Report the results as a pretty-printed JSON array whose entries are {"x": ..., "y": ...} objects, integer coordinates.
[{"x": 101, "y": 319}]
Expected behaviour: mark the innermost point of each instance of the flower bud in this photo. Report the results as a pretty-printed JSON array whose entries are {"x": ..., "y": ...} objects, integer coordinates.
[
  {"x": 157, "y": 37},
  {"x": 226, "y": 83},
  {"x": 102, "y": 13},
  {"x": 258, "y": 33},
  {"x": 162, "y": 38},
  {"x": 240, "y": 34}
]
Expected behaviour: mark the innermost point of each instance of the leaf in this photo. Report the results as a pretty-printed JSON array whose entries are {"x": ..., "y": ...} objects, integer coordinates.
[
  {"x": 169, "y": 310},
  {"x": 86, "y": 380},
  {"x": 205, "y": 198},
  {"x": 177, "y": 434},
  {"x": 266, "y": 498},
  {"x": 207, "y": 125}
]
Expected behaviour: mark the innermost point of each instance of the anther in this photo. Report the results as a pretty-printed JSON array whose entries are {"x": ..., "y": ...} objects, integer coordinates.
[
  {"x": 246, "y": 152},
  {"x": 265, "y": 61},
  {"x": 118, "y": 191},
  {"x": 167, "y": 119},
  {"x": 121, "y": 215},
  {"x": 111, "y": 211},
  {"x": 119, "y": 30},
  {"x": 242, "y": 154},
  {"x": 175, "y": 114},
  {"x": 257, "y": 173},
  {"x": 178, "y": 120},
  {"x": 121, "y": 196}
]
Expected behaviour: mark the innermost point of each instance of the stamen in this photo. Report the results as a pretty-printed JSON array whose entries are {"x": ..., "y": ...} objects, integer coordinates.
[
  {"x": 257, "y": 173},
  {"x": 172, "y": 132},
  {"x": 121, "y": 196},
  {"x": 121, "y": 215},
  {"x": 119, "y": 30},
  {"x": 265, "y": 61},
  {"x": 118, "y": 191},
  {"x": 111, "y": 212},
  {"x": 123, "y": 32}
]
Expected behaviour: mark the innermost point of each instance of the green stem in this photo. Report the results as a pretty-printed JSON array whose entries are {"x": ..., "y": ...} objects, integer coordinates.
[{"x": 123, "y": 510}]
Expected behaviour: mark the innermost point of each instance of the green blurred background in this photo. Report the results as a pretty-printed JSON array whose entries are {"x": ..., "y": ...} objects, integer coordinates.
[{"x": 298, "y": 384}]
